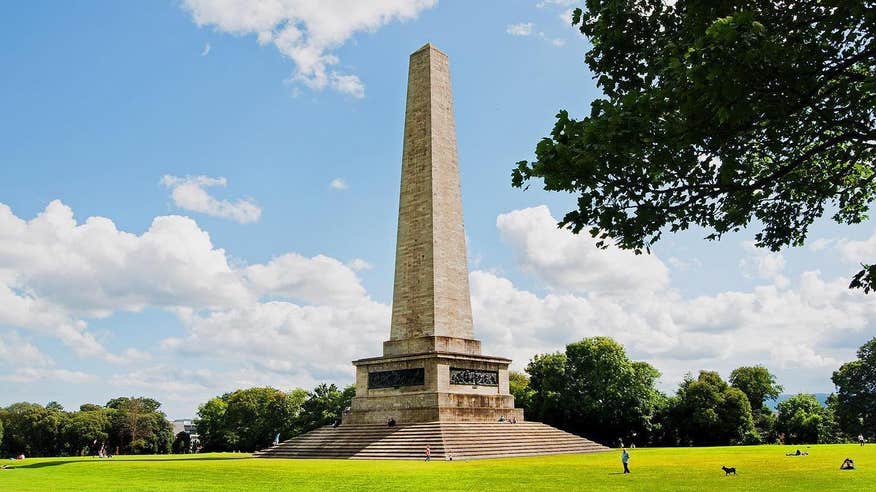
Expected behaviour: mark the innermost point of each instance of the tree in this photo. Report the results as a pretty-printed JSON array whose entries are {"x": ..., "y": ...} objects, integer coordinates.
[
  {"x": 256, "y": 415},
  {"x": 182, "y": 443},
  {"x": 758, "y": 384},
  {"x": 596, "y": 390},
  {"x": 707, "y": 411},
  {"x": 248, "y": 419},
  {"x": 547, "y": 378},
  {"x": 213, "y": 432},
  {"x": 138, "y": 427},
  {"x": 830, "y": 430},
  {"x": 856, "y": 392},
  {"x": 31, "y": 429},
  {"x": 54, "y": 406},
  {"x": 720, "y": 115},
  {"x": 86, "y": 431},
  {"x": 246, "y": 414},
  {"x": 325, "y": 405},
  {"x": 518, "y": 384},
  {"x": 285, "y": 411},
  {"x": 609, "y": 396},
  {"x": 800, "y": 419}
]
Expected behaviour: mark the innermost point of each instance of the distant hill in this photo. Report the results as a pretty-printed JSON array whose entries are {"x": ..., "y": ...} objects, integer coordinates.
[{"x": 822, "y": 397}]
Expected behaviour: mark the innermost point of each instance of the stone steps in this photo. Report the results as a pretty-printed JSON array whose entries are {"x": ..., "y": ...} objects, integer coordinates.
[{"x": 465, "y": 440}]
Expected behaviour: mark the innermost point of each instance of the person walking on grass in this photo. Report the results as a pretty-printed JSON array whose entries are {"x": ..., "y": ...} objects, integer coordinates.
[
  {"x": 625, "y": 459},
  {"x": 428, "y": 453},
  {"x": 861, "y": 439}
]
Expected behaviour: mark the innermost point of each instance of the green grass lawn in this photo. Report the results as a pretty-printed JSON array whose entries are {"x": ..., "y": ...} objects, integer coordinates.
[{"x": 760, "y": 468}]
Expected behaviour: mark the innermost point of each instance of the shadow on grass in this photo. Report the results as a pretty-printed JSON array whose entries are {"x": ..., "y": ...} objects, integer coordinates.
[
  {"x": 41, "y": 465},
  {"x": 44, "y": 464}
]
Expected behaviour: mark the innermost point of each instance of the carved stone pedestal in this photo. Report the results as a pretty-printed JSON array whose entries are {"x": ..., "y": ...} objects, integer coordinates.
[{"x": 432, "y": 387}]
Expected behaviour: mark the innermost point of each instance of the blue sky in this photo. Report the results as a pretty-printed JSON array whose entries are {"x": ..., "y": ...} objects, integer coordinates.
[{"x": 243, "y": 166}]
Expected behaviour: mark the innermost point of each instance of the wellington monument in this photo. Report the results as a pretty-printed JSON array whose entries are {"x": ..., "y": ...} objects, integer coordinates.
[
  {"x": 432, "y": 368},
  {"x": 432, "y": 381}
]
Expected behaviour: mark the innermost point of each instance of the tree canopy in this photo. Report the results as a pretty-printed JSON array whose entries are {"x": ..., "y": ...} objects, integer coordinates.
[
  {"x": 719, "y": 114},
  {"x": 249, "y": 419},
  {"x": 128, "y": 424},
  {"x": 801, "y": 418},
  {"x": 593, "y": 389},
  {"x": 856, "y": 392},
  {"x": 707, "y": 410},
  {"x": 757, "y": 383}
]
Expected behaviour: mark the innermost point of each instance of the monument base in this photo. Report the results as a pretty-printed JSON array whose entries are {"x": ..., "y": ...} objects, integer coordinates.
[
  {"x": 432, "y": 387},
  {"x": 432, "y": 407},
  {"x": 456, "y": 440}
]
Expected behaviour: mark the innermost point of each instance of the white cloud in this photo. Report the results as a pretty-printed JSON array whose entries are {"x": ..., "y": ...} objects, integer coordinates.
[
  {"x": 854, "y": 251},
  {"x": 338, "y": 184},
  {"x": 22, "y": 362},
  {"x": 763, "y": 264},
  {"x": 132, "y": 355},
  {"x": 189, "y": 193},
  {"x": 181, "y": 390},
  {"x": 801, "y": 327},
  {"x": 560, "y": 3},
  {"x": 525, "y": 29},
  {"x": 820, "y": 244},
  {"x": 305, "y": 31},
  {"x": 573, "y": 262},
  {"x": 296, "y": 320},
  {"x": 93, "y": 269},
  {"x": 206, "y": 50},
  {"x": 348, "y": 84},
  {"x": 304, "y": 314},
  {"x": 554, "y": 41},
  {"x": 290, "y": 337},
  {"x": 566, "y": 18},
  {"x": 55, "y": 272},
  {"x": 359, "y": 264},
  {"x": 519, "y": 29},
  {"x": 684, "y": 265},
  {"x": 318, "y": 280},
  {"x": 32, "y": 374},
  {"x": 16, "y": 351}
]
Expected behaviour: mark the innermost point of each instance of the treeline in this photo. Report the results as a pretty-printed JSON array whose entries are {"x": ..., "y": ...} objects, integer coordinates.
[
  {"x": 244, "y": 420},
  {"x": 124, "y": 425},
  {"x": 594, "y": 389},
  {"x": 250, "y": 419}
]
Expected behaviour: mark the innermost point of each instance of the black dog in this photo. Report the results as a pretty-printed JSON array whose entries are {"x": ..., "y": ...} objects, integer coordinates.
[{"x": 728, "y": 471}]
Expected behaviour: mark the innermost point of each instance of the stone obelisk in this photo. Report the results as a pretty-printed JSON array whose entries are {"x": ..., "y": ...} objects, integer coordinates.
[
  {"x": 431, "y": 304},
  {"x": 432, "y": 368},
  {"x": 432, "y": 378}
]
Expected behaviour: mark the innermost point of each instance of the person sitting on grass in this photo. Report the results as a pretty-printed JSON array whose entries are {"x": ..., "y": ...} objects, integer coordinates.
[{"x": 848, "y": 464}]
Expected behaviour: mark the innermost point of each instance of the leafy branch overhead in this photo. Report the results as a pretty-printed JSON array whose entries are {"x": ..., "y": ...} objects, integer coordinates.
[{"x": 719, "y": 114}]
